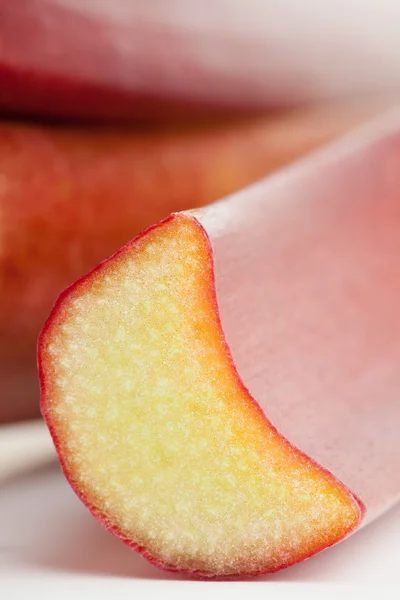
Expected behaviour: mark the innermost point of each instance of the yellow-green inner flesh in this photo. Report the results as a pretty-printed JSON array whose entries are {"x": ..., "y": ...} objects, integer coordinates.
[{"x": 157, "y": 431}]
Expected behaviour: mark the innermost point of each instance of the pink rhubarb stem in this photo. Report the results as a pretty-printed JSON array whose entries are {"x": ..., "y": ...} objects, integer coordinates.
[{"x": 308, "y": 283}]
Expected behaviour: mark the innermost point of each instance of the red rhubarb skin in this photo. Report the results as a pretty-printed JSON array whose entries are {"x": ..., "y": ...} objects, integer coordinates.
[
  {"x": 118, "y": 60},
  {"x": 59, "y": 59},
  {"x": 70, "y": 197}
]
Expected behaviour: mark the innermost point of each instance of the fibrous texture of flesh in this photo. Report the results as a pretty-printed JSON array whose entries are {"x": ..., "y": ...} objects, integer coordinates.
[{"x": 157, "y": 431}]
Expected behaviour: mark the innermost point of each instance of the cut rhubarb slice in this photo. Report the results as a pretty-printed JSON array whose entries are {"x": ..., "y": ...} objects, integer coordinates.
[{"x": 154, "y": 427}]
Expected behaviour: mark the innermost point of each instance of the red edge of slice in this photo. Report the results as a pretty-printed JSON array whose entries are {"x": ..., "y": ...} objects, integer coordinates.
[{"x": 98, "y": 514}]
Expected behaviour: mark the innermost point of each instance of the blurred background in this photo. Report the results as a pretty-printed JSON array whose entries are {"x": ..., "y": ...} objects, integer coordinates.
[{"x": 115, "y": 113}]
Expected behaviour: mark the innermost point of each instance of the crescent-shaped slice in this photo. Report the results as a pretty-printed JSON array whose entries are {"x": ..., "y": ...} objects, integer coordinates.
[{"x": 156, "y": 431}]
